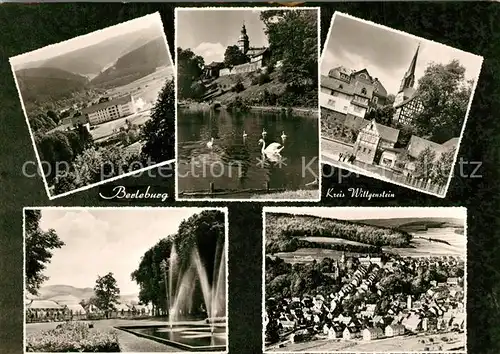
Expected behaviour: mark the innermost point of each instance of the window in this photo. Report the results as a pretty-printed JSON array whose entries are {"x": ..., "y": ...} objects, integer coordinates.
[
  {"x": 363, "y": 76},
  {"x": 375, "y": 99},
  {"x": 331, "y": 103},
  {"x": 364, "y": 150},
  {"x": 363, "y": 91},
  {"x": 345, "y": 108},
  {"x": 369, "y": 151},
  {"x": 341, "y": 86}
]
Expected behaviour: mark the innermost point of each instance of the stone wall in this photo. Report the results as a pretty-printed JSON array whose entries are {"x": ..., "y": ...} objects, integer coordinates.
[{"x": 243, "y": 68}]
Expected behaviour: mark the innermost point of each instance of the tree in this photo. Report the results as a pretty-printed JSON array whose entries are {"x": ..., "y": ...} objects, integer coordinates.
[
  {"x": 390, "y": 99},
  {"x": 39, "y": 246},
  {"x": 425, "y": 163},
  {"x": 203, "y": 232},
  {"x": 107, "y": 293},
  {"x": 442, "y": 167},
  {"x": 159, "y": 132},
  {"x": 53, "y": 115},
  {"x": 94, "y": 165},
  {"x": 190, "y": 69},
  {"x": 444, "y": 93},
  {"x": 382, "y": 115},
  {"x": 293, "y": 39},
  {"x": 234, "y": 56}
]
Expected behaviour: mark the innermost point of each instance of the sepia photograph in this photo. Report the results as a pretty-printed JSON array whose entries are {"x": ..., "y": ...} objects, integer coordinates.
[
  {"x": 364, "y": 280},
  {"x": 394, "y": 106},
  {"x": 248, "y": 109},
  {"x": 125, "y": 280},
  {"x": 99, "y": 106}
]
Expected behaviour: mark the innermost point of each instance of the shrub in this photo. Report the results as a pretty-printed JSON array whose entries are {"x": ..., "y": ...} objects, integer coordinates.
[
  {"x": 73, "y": 337},
  {"x": 263, "y": 79},
  {"x": 238, "y": 87}
]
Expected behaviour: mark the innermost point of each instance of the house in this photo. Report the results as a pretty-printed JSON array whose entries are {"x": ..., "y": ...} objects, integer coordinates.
[
  {"x": 372, "y": 333},
  {"x": 213, "y": 69},
  {"x": 335, "y": 332},
  {"x": 109, "y": 110},
  {"x": 417, "y": 145},
  {"x": 348, "y": 94},
  {"x": 374, "y": 137},
  {"x": 412, "y": 323},
  {"x": 351, "y": 333},
  {"x": 393, "y": 330}
]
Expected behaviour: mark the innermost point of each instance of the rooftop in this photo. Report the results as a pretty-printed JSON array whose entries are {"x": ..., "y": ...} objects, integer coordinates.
[{"x": 103, "y": 105}]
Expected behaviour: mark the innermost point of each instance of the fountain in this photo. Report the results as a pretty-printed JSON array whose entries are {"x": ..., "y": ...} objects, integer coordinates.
[{"x": 181, "y": 331}]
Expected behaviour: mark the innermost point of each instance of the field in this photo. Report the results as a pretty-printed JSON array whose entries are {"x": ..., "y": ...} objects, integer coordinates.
[
  {"x": 331, "y": 240},
  {"x": 421, "y": 246},
  {"x": 434, "y": 342},
  {"x": 304, "y": 255},
  {"x": 146, "y": 90},
  {"x": 107, "y": 129}
]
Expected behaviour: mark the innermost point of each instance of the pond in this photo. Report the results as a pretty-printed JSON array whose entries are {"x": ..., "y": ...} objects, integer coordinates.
[{"x": 235, "y": 161}]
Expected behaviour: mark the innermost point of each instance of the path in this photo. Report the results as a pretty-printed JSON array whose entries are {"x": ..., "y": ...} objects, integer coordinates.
[{"x": 133, "y": 344}]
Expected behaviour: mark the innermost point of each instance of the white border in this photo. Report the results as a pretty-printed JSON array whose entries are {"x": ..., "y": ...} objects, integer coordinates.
[
  {"x": 473, "y": 90},
  {"x": 40, "y": 170},
  {"x": 266, "y": 209},
  {"x": 199, "y": 209},
  {"x": 253, "y": 9}
]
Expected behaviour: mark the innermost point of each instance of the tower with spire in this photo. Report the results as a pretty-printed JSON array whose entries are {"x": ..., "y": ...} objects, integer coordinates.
[
  {"x": 406, "y": 89},
  {"x": 243, "y": 41}
]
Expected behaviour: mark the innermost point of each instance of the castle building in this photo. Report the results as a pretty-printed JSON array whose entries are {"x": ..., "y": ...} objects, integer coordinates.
[
  {"x": 258, "y": 57},
  {"x": 346, "y": 93},
  {"x": 109, "y": 110},
  {"x": 406, "y": 103}
]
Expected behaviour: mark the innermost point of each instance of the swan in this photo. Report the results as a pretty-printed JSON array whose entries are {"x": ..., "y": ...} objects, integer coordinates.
[
  {"x": 210, "y": 143},
  {"x": 271, "y": 149},
  {"x": 283, "y": 135},
  {"x": 264, "y": 133},
  {"x": 244, "y": 134}
]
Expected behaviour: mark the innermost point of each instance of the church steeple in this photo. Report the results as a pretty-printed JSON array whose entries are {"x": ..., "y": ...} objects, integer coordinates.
[
  {"x": 243, "y": 41},
  {"x": 409, "y": 78}
]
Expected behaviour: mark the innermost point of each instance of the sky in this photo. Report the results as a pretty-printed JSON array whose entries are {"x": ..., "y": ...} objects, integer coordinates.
[
  {"x": 98, "y": 241},
  {"x": 354, "y": 213},
  {"x": 92, "y": 38},
  {"x": 209, "y": 32},
  {"x": 386, "y": 53}
]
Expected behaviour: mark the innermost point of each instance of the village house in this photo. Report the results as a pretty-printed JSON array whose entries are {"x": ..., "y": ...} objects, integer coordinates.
[
  {"x": 348, "y": 94},
  {"x": 374, "y": 137},
  {"x": 372, "y": 333},
  {"x": 394, "y": 330},
  {"x": 351, "y": 333}
]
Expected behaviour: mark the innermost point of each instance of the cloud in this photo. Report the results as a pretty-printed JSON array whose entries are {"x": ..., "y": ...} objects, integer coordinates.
[{"x": 210, "y": 51}]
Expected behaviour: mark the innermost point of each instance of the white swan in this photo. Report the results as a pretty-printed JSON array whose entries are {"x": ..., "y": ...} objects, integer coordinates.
[
  {"x": 210, "y": 143},
  {"x": 283, "y": 135},
  {"x": 244, "y": 134},
  {"x": 271, "y": 149},
  {"x": 264, "y": 133}
]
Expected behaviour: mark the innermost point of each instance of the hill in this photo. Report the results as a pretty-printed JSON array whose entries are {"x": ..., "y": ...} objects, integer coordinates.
[
  {"x": 413, "y": 224},
  {"x": 288, "y": 232},
  {"x": 91, "y": 60},
  {"x": 70, "y": 294},
  {"x": 134, "y": 65},
  {"x": 40, "y": 84}
]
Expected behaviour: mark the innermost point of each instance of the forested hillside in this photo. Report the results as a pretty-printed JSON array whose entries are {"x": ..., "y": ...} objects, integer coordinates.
[{"x": 285, "y": 233}]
